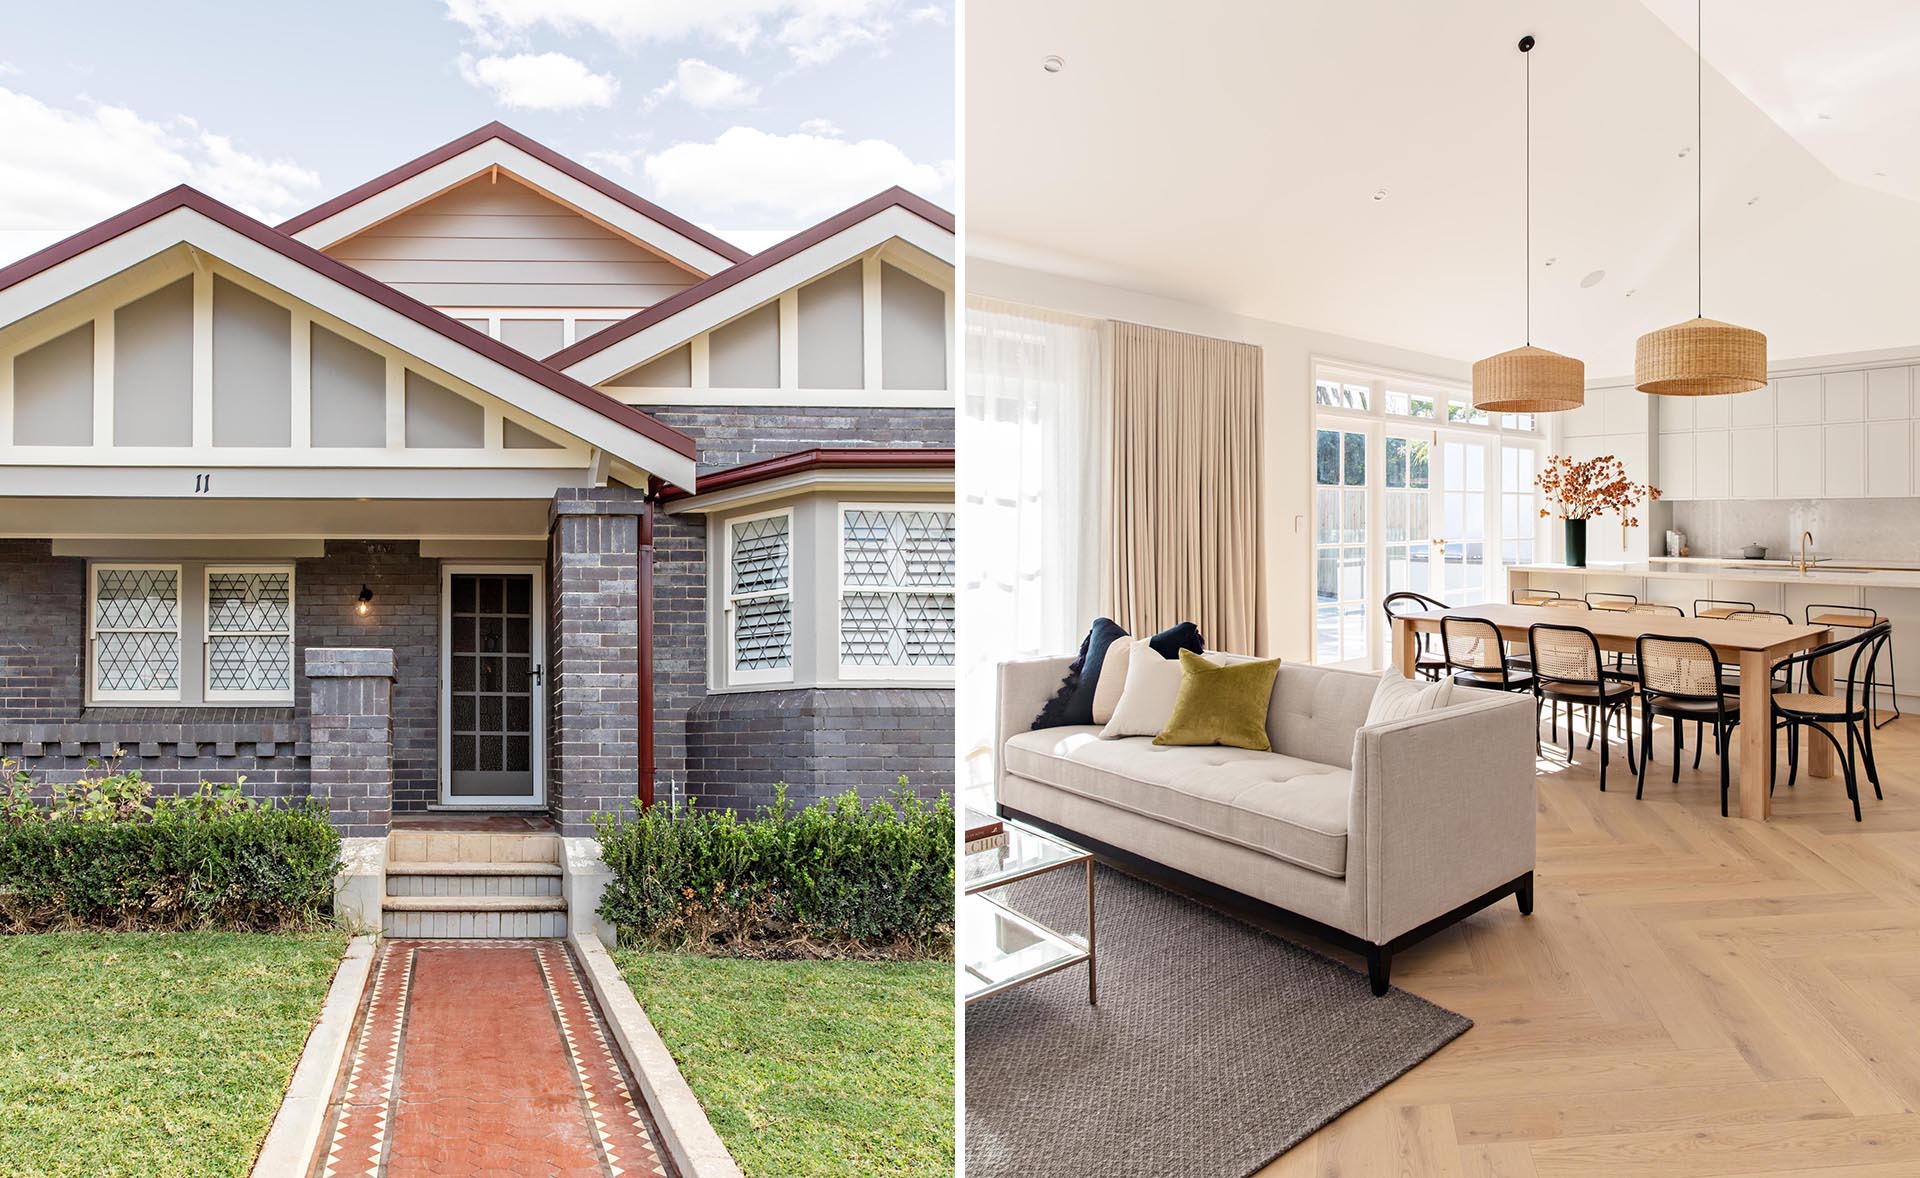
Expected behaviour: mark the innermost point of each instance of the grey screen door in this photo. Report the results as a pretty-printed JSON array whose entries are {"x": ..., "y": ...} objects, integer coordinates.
[{"x": 494, "y": 642}]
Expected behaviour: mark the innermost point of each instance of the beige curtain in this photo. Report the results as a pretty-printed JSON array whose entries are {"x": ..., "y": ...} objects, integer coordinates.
[{"x": 1187, "y": 413}]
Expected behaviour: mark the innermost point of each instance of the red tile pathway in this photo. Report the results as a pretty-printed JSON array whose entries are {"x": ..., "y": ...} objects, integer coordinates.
[{"x": 483, "y": 1059}]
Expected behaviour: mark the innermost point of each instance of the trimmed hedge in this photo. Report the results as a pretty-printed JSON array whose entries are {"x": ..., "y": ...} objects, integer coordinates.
[
  {"x": 836, "y": 878},
  {"x": 105, "y": 854}
]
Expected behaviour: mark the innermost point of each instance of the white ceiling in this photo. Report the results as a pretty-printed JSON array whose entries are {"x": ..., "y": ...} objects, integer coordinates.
[{"x": 1230, "y": 157}]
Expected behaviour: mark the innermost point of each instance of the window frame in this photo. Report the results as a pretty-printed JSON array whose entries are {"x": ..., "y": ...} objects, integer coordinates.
[
  {"x": 854, "y": 672},
  {"x": 93, "y": 694},
  {"x": 207, "y": 693},
  {"x": 731, "y": 673}
]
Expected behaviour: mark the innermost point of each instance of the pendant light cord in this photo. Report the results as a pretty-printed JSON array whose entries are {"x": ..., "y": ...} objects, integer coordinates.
[
  {"x": 1527, "y": 53},
  {"x": 1699, "y": 158}
]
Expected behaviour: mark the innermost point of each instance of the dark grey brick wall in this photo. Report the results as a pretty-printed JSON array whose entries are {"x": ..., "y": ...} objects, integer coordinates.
[
  {"x": 350, "y": 697},
  {"x": 46, "y": 727},
  {"x": 731, "y": 436},
  {"x": 404, "y": 618},
  {"x": 732, "y": 749},
  {"x": 593, "y": 699},
  {"x": 820, "y": 742}
]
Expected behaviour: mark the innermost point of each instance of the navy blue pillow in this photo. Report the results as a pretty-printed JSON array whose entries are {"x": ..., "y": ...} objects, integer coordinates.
[
  {"x": 1073, "y": 703},
  {"x": 1170, "y": 642}
]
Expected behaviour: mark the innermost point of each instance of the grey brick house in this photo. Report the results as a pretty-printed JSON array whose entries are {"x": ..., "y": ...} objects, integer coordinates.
[{"x": 488, "y": 484}]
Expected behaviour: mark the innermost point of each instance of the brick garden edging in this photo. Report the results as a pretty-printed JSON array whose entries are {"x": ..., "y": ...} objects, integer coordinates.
[{"x": 688, "y": 1136}]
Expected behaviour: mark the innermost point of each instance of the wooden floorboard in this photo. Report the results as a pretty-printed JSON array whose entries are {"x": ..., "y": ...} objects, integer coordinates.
[{"x": 1694, "y": 996}]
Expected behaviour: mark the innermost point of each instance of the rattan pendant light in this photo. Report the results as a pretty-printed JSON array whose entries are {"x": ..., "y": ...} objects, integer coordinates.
[
  {"x": 1529, "y": 379},
  {"x": 1701, "y": 357}
]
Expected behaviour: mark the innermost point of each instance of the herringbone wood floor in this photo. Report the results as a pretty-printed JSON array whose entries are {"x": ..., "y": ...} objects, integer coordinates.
[{"x": 1693, "y": 995}]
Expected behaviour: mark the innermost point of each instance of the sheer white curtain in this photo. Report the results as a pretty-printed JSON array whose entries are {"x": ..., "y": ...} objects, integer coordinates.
[{"x": 1033, "y": 473}]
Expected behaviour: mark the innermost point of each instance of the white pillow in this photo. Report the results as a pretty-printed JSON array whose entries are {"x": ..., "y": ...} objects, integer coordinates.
[
  {"x": 1113, "y": 677},
  {"x": 1398, "y": 697},
  {"x": 1147, "y": 699}
]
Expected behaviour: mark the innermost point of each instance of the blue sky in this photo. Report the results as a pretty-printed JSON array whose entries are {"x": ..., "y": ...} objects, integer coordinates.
[{"x": 754, "y": 118}]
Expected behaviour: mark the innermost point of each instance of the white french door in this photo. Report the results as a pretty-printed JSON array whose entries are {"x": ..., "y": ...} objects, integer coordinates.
[{"x": 1413, "y": 489}]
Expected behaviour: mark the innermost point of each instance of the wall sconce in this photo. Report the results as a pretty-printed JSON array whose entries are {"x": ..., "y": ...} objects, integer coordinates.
[{"x": 365, "y": 599}]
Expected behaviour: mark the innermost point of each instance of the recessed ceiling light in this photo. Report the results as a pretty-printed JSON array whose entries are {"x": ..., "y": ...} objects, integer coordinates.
[
  {"x": 1551, "y": 261},
  {"x": 1685, "y": 152},
  {"x": 1630, "y": 294},
  {"x": 1593, "y": 279},
  {"x": 1379, "y": 194},
  {"x": 1053, "y": 63},
  {"x": 1753, "y": 200}
]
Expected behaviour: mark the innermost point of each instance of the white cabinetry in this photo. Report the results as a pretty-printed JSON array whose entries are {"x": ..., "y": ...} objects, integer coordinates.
[{"x": 1846, "y": 434}]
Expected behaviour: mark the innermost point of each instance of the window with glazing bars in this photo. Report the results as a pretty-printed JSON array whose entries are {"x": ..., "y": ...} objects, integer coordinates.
[
  {"x": 249, "y": 651},
  {"x": 134, "y": 632},
  {"x": 760, "y": 597},
  {"x": 896, "y": 590}
]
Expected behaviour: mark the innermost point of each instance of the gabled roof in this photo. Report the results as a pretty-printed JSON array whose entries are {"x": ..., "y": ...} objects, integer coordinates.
[
  {"x": 631, "y": 421},
  {"x": 700, "y": 293},
  {"x": 498, "y": 145}
]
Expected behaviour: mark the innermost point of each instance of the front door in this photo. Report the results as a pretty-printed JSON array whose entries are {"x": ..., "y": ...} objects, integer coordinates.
[{"x": 491, "y": 716}]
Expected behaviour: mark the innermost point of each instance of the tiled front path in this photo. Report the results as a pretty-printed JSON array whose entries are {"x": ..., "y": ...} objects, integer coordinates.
[{"x": 483, "y": 1058}]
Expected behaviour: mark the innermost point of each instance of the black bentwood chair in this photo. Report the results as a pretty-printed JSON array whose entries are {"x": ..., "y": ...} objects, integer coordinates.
[
  {"x": 1477, "y": 656},
  {"x": 1427, "y": 664},
  {"x": 1861, "y": 617},
  {"x": 1680, "y": 679},
  {"x": 1853, "y": 709},
  {"x": 1567, "y": 669}
]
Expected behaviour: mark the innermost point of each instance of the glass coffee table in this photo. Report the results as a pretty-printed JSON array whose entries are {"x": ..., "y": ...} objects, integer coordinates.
[{"x": 1001, "y": 948}]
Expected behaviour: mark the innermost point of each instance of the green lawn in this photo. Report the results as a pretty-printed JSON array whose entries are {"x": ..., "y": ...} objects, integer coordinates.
[
  {"x": 812, "y": 1068},
  {"x": 151, "y": 1053}
]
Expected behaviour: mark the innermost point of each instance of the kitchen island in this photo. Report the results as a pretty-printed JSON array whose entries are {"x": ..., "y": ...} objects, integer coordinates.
[{"x": 1778, "y": 585}]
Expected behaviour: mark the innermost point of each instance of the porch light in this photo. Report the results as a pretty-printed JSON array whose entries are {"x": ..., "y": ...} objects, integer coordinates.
[{"x": 365, "y": 600}]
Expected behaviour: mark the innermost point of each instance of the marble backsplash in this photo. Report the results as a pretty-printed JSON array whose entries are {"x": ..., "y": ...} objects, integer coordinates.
[{"x": 1875, "y": 530}]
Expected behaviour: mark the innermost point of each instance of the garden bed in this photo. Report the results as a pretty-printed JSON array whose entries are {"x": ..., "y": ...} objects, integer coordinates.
[
  {"x": 145, "y": 1053},
  {"x": 811, "y": 1068}
]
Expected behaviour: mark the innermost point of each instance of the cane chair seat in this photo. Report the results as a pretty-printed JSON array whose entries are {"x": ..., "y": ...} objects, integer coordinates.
[{"x": 1809, "y": 703}]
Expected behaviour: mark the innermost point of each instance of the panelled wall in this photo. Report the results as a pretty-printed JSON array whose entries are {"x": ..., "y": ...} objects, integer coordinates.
[
  {"x": 872, "y": 332},
  {"x": 507, "y": 260},
  {"x": 205, "y": 363}
]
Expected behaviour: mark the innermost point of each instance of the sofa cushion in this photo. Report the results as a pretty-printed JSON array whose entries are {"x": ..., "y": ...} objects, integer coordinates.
[{"x": 1293, "y": 810}]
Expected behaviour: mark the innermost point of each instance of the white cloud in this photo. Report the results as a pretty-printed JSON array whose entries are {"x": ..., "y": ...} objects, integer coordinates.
[
  {"x": 805, "y": 176},
  {"x": 822, "y": 127},
  {"x": 64, "y": 169},
  {"x": 932, "y": 14},
  {"x": 540, "y": 81},
  {"x": 811, "y": 31},
  {"x": 751, "y": 240},
  {"x": 705, "y": 86}
]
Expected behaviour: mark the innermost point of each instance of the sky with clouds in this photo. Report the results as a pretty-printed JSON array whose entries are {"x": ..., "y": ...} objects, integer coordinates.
[{"x": 753, "y": 118}]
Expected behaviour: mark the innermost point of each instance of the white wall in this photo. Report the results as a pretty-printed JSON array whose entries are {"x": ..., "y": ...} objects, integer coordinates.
[{"x": 1289, "y": 352}]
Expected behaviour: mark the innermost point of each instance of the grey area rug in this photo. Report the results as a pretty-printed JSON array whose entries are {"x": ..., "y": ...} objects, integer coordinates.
[{"x": 1214, "y": 1049}]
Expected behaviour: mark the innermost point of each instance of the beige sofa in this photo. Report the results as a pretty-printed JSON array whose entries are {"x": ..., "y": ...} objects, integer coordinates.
[{"x": 1374, "y": 837}]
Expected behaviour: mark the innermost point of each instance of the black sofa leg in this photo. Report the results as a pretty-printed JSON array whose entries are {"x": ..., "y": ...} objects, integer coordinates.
[
  {"x": 1524, "y": 894},
  {"x": 1379, "y": 964}
]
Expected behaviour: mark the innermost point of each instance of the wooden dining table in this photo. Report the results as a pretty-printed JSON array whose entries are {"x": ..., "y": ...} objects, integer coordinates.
[{"x": 1754, "y": 647}]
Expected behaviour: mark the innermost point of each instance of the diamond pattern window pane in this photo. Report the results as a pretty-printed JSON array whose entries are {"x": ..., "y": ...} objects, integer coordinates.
[
  {"x": 136, "y": 661},
  {"x": 896, "y": 629},
  {"x": 136, "y": 619},
  {"x": 762, "y": 633},
  {"x": 248, "y": 603},
  {"x": 760, "y": 555},
  {"x": 255, "y": 664},
  {"x": 136, "y": 599},
  {"x": 898, "y": 549}
]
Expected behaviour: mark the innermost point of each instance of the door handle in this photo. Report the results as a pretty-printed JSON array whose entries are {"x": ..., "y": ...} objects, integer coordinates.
[{"x": 536, "y": 674}]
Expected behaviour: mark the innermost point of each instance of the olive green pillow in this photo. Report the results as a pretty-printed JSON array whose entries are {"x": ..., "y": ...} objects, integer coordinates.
[{"x": 1221, "y": 705}]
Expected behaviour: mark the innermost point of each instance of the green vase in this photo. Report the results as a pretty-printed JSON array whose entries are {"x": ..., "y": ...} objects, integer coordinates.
[{"x": 1577, "y": 543}]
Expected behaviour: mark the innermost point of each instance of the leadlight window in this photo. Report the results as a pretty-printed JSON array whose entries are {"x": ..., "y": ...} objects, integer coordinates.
[
  {"x": 134, "y": 632},
  {"x": 896, "y": 591},
  {"x": 249, "y": 637},
  {"x": 760, "y": 598}
]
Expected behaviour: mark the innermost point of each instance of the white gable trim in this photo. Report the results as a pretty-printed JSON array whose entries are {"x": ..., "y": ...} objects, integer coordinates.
[
  {"x": 453, "y": 172},
  {"x": 890, "y": 224},
  {"x": 391, "y": 327}
]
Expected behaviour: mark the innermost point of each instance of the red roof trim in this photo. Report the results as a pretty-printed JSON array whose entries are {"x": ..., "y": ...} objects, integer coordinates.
[
  {"x": 539, "y": 151},
  {"x": 199, "y": 202},
  {"x": 824, "y": 458},
  {"x": 605, "y": 338}
]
